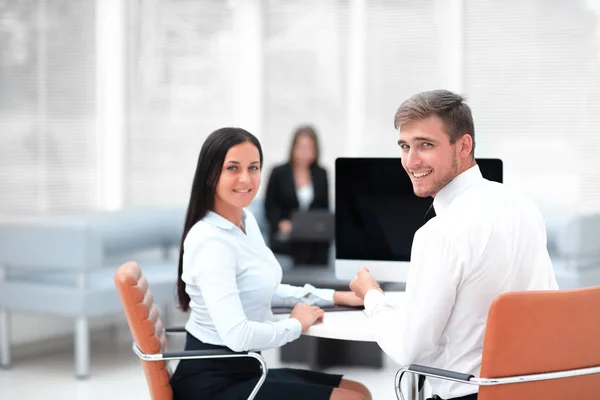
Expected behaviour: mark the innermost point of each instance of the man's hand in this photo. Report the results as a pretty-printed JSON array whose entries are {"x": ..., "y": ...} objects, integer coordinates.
[
  {"x": 363, "y": 282},
  {"x": 347, "y": 298}
]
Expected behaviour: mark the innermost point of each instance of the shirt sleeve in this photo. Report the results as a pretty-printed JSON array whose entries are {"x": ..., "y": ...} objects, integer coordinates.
[
  {"x": 214, "y": 272},
  {"x": 409, "y": 333},
  {"x": 289, "y": 296}
]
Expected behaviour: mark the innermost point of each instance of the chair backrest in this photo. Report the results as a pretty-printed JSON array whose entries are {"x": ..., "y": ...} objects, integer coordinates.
[
  {"x": 538, "y": 332},
  {"x": 145, "y": 325}
]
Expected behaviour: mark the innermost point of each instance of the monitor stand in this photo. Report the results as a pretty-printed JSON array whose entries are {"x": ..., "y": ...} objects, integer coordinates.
[{"x": 382, "y": 271}]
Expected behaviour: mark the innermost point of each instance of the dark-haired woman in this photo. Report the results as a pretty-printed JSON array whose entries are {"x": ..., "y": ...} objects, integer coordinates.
[{"x": 229, "y": 279}]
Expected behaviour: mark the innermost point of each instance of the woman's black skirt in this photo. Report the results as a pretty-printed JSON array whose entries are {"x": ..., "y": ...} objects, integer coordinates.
[{"x": 232, "y": 379}]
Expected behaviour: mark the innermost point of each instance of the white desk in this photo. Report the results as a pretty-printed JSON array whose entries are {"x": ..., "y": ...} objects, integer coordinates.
[
  {"x": 354, "y": 325},
  {"x": 348, "y": 325}
]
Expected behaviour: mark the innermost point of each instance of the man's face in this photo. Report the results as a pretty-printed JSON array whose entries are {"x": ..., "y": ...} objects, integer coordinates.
[{"x": 428, "y": 157}]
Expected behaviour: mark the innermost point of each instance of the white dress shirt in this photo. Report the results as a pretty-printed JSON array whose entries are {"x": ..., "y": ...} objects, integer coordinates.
[
  {"x": 485, "y": 240},
  {"x": 233, "y": 279}
]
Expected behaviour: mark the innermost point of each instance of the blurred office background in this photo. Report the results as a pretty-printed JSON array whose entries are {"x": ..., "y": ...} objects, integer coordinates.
[{"x": 104, "y": 104}]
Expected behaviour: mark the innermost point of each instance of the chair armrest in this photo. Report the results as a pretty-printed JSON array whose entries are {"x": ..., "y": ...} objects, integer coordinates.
[
  {"x": 206, "y": 354},
  {"x": 421, "y": 371},
  {"x": 175, "y": 329},
  {"x": 471, "y": 380},
  {"x": 440, "y": 373},
  {"x": 196, "y": 354},
  {"x": 182, "y": 355}
]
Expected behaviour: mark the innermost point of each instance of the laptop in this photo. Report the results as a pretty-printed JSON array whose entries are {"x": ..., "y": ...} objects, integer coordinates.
[
  {"x": 312, "y": 226},
  {"x": 334, "y": 308}
]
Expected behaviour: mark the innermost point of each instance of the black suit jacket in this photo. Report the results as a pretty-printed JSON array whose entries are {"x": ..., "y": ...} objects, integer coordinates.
[{"x": 281, "y": 199}]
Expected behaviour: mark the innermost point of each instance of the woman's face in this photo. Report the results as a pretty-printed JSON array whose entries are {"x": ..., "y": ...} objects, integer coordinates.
[
  {"x": 305, "y": 151},
  {"x": 240, "y": 176}
]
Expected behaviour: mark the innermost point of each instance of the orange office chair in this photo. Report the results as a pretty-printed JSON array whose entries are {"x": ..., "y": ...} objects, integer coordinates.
[
  {"x": 149, "y": 338},
  {"x": 538, "y": 345}
]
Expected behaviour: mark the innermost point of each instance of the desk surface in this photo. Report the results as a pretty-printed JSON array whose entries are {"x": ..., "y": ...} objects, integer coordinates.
[{"x": 346, "y": 325}]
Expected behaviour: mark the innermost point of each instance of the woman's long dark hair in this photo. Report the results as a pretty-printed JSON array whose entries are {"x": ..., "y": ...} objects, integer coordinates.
[{"x": 202, "y": 199}]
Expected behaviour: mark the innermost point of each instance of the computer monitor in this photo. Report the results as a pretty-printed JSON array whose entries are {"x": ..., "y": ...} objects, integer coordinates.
[{"x": 377, "y": 215}]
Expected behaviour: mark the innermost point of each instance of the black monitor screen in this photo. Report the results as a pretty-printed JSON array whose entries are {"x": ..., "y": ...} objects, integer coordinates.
[{"x": 376, "y": 210}]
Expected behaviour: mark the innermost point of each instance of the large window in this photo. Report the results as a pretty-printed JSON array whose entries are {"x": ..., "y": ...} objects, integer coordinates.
[
  {"x": 530, "y": 70},
  {"x": 306, "y": 68},
  {"x": 532, "y": 75},
  {"x": 179, "y": 90},
  {"x": 404, "y": 42},
  {"x": 47, "y": 106}
]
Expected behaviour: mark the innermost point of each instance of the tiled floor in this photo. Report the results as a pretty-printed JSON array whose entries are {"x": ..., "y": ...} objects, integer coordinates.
[{"x": 116, "y": 374}]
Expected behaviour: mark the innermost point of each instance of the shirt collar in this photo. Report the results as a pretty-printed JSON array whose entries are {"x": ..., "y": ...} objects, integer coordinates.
[
  {"x": 215, "y": 219},
  {"x": 449, "y": 192}
]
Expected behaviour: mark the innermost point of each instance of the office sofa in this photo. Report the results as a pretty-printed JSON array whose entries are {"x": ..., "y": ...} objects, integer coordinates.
[
  {"x": 573, "y": 247},
  {"x": 64, "y": 266}
]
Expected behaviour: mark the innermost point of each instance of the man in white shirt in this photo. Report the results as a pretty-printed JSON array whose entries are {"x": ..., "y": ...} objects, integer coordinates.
[{"x": 485, "y": 239}]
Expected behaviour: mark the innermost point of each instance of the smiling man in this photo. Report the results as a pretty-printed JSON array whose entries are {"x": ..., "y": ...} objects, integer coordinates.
[{"x": 484, "y": 240}]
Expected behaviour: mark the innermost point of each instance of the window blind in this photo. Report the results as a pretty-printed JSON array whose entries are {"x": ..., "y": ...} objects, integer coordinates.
[
  {"x": 532, "y": 76},
  {"x": 305, "y": 75},
  {"x": 404, "y": 43},
  {"x": 47, "y": 107},
  {"x": 179, "y": 90}
]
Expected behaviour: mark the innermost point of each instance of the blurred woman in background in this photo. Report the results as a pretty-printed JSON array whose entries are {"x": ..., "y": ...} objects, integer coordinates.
[{"x": 300, "y": 184}]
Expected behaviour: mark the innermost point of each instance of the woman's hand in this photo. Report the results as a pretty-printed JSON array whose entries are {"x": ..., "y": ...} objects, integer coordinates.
[
  {"x": 307, "y": 315},
  {"x": 347, "y": 299},
  {"x": 285, "y": 226}
]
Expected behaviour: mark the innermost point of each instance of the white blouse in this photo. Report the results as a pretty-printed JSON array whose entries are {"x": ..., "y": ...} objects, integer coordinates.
[
  {"x": 305, "y": 196},
  {"x": 233, "y": 279}
]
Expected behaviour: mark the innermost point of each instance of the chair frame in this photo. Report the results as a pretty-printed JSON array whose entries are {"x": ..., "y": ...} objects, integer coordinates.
[
  {"x": 204, "y": 354},
  {"x": 454, "y": 376}
]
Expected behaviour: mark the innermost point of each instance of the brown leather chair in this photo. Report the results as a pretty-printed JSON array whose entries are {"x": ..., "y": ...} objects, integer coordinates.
[
  {"x": 538, "y": 345},
  {"x": 149, "y": 336}
]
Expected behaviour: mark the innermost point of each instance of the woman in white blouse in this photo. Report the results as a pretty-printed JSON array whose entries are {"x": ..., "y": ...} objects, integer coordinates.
[{"x": 229, "y": 280}]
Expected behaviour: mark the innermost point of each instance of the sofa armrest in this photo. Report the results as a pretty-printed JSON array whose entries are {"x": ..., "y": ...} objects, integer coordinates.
[{"x": 47, "y": 245}]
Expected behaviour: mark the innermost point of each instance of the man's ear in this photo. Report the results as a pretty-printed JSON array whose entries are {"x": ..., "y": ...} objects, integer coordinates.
[{"x": 465, "y": 145}]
